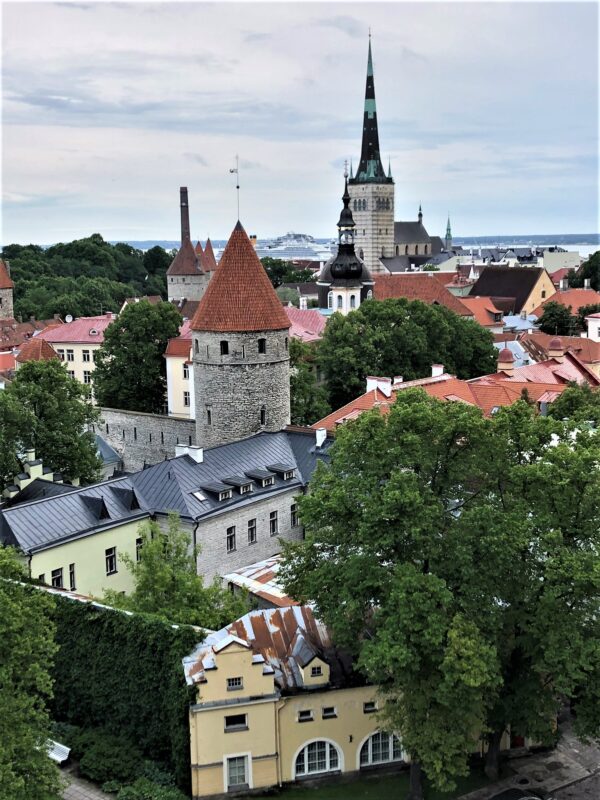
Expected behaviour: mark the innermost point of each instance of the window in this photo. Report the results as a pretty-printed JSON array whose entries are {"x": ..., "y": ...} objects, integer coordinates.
[
  {"x": 226, "y": 494},
  {"x": 294, "y": 515},
  {"x": 543, "y": 293},
  {"x": 197, "y": 348},
  {"x": 57, "y": 581},
  {"x": 237, "y": 772},
  {"x": 273, "y": 527},
  {"x": 87, "y": 376},
  {"x": 224, "y": 348},
  {"x": 329, "y": 299},
  {"x": 236, "y": 722},
  {"x": 138, "y": 548},
  {"x": 61, "y": 354},
  {"x": 370, "y": 294},
  {"x": 162, "y": 437},
  {"x": 85, "y": 355},
  {"x": 135, "y": 434},
  {"x": 425, "y": 249},
  {"x": 110, "y": 556},
  {"x": 72, "y": 577},
  {"x": 340, "y": 301},
  {"x": 71, "y": 373},
  {"x": 208, "y": 415},
  {"x": 305, "y": 716},
  {"x": 262, "y": 346},
  {"x": 186, "y": 399},
  {"x": 317, "y": 756},
  {"x": 231, "y": 539},
  {"x": 286, "y": 343},
  {"x": 246, "y": 488},
  {"x": 42, "y": 577},
  {"x": 406, "y": 250},
  {"x": 287, "y": 476},
  {"x": 369, "y": 707},
  {"x": 107, "y": 427},
  {"x": 316, "y": 672},
  {"x": 353, "y": 299},
  {"x": 70, "y": 355},
  {"x": 263, "y": 416},
  {"x": 252, "y": 531},
  {"x": 268, "y": 481},
  {"x": 186, "y": 371},
  {"x": 379, "y": 748},
  {"x": 416, "y": 249},
  {"x": 329, "y": 712},
  {"x": 235, "y": 684}
]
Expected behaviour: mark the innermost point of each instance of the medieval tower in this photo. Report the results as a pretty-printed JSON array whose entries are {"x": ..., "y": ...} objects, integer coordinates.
[
  {"x": 6, "y": 292},
  {"x": 371, "y": 190},
  {"x": 186, "y": 277},
  {"x": 240, "y": 350}
]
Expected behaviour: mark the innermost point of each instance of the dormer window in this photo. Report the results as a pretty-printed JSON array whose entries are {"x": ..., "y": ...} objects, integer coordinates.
[
  {"x": 246, "y": 489},
  {"x": 226, "y": 494},
  {"x": 287, "y": 476},
  {"x": 268, "y": 481}
]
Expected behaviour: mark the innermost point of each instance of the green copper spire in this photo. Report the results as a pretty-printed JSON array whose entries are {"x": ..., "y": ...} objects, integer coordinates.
[{"x": 448, "y": 229}]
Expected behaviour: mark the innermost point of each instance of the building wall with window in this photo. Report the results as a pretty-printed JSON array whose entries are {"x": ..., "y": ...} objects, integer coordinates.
[
  {"x": 180, "y": 386},
  {"x": 216, "y": 559},
  {"x": 78, "y": 359},
  {"x": 89, "y": 556}
]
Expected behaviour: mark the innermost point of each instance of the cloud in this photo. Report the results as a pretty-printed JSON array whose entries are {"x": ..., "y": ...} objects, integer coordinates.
[
  {"x": 346, "y": 24},
  {"x": 256, "y": 36},
  {"x": 198, "y": 159}
]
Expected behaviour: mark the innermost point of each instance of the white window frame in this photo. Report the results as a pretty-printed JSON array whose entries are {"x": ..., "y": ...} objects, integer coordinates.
[
  {"x": 252, "y": 529},
  {"x": 57, "y": 574},
  {"x": 248, "y": 757},
  {"x": 186, "y": 399},
  {"x": 273, "y": 518},
  {"x": 235, "y": 688},
  {"x": 106, "y": 557},
  {"x": 372, "y": 763},
  {"x": 186, "y": 371},
  {"x": 340, "y": 754},
  {"x": 85, "y": 356},
  {"x": 70, "y": 355},
  {"x": 87, "y": 376}
]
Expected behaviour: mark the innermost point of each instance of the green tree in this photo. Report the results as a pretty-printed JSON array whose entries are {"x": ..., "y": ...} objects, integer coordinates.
[
  {"x": 15, "y": 423},
  {"x": 130, "y": 366},
  {"x": 166, "y": 582},
  {"x": 280, "y": 271},
  {"x": 61, "y": 411},
  {"x": 589, "y": 269},
  {"x": 400, "y": 337},
  {"x": 308, "y": 399},
  {"x": 26, "y": 658},
  {"x": 157, "y": 260},
  {"x": 584, "y": 312},
  {"x": 579, "y": 404},
  {"x": 288, "y": 295},
  {"x": 557, "y": 320}
]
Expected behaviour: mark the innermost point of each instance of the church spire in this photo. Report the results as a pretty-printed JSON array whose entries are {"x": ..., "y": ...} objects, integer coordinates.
[
  {"x": 370, "y": 167},
  {"x": 448, "y": 239},
  {"x": 420, "y": 214}
]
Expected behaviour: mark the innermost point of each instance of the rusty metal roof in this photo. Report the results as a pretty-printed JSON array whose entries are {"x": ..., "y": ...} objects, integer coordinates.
[{"x": 260, "y": 579}]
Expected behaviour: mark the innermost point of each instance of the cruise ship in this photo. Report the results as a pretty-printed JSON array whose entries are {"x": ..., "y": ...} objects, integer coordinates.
[{"x": 295, "y": 247}]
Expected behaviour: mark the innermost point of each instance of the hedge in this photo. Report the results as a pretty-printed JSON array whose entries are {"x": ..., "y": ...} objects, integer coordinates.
[{"x": 123, "y": 673}]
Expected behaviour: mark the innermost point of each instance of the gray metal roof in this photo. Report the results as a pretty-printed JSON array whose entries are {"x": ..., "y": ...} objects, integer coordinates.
[
  {"x": 410, "y": 233},
  {"x": 164, "y": 487}
]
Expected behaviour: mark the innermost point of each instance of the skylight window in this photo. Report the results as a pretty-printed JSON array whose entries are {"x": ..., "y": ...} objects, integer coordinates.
[{"x": 199, "y": 496}]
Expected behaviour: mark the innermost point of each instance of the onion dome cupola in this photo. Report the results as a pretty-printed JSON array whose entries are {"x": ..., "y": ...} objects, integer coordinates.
[{"x": 346, "y": 265}]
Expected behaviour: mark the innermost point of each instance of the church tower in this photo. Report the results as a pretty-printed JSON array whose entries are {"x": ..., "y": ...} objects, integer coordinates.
[
  {"x": 371, "y": 190},
  {"x": 6, "y": 291},
  {"x": 186, "y": 279},
  {"x": 448, "y": 239},
  {"x": 240, "y": 350},
  {"x": 344, "y": 281}
]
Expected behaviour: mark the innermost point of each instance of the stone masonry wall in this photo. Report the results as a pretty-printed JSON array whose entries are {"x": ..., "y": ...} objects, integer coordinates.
[
  {"x": 378, "y": 226},
  {"x": 234, "y": 387},
  {"x": 187, "y": 287},
  {"x": 211, "y": 535},
  {"x": 6, "y": 304},
  {"x": 141, "y": 438}
]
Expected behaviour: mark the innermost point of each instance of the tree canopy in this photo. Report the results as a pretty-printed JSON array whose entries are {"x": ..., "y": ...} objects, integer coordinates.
[
  {"x": 456, "y": 557},
  {"x": 280, "y": 271},
  {"x": 26, "y": 658},
  {"x": 166, "y": 582},
  {"x": 15, "y": 424},
  {"x": 308, "y": 400},
  {"x": 52, "y": 412},
  {"x": 130, "y": 366},
  {"x": 589, "y": 269},
  {"x": 400, "y": 337}
]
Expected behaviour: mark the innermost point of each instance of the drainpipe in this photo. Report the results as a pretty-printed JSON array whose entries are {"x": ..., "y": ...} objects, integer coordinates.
[{"x": 278, "y": 706}]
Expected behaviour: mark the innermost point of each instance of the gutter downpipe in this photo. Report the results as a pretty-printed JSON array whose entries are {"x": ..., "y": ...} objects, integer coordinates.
[{"x": 278, "y": 707}]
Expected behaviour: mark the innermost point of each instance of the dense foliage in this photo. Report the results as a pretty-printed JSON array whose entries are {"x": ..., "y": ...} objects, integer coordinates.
[
  {"x": 456, "y": 557},
  {"x": 280, "y": 271},
  {"x": 400, "y": 337},
  {"x": 166, "y": 582},
  {"x": 55, "y": 411},
  {"x": 308, "y": 399},
  {"x": 589, "y": 269},
  {"x": 557, "y": 320},
  {"x": 15, "y": 424},
  {"x": 130, "y": 366},
  {"x": 123, "y": 673},
  {"x": 84, "y": 277},
  {"x": 26, "y": 658}
]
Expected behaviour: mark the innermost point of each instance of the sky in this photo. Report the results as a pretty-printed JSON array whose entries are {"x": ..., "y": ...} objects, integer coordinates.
[{"x": 487, "y": 111}]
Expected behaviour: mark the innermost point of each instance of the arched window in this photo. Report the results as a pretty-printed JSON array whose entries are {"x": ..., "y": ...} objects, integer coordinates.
[
  {"x": 381, "y": 748},
  {"x": 340, "y": 301},
  {"x": 361, "y": 254},
  {"x": 196, "y": 348},
  {"x": 354, "y": 205},
  {"x": 425, "y": 249},
  {"x": 319, "y": 756},
  {"x": 364, "y": 205},
  {"x": 370, "y": 294},
  {"x": 352, "y": 301},
  {"x": 262, "y": 346},
  {"x": 224, "y": 348},
  {"x": 406, "y": 250},
  {"x": 330, "y": 300},
  {"x": 263, "y": 416},
  {"x": 397, "y": 250},
  {"x": 382, "y": 252},
  {"x": 416, "y": 249},
  {"x": 286, "y": 343}
]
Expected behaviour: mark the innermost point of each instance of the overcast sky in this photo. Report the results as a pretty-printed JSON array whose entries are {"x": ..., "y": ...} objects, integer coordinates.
[{"x": 486, "y": 110}]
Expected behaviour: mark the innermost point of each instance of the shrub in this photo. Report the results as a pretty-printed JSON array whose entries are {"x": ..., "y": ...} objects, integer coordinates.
[
  {"x": 111, "y": 787},
  {"x": 64, "y": 733},
  {"x": 111, "y": 758},
  {"x": 157, "y": 773},
  {"x": 144, "y": 789}
]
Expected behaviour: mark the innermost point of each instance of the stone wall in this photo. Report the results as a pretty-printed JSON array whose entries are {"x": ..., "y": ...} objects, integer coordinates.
[
  {"x": 141, "y": 438},
  {"x": 187, "y": 287},
  {"x": 378, "y": 225},
  {"x": 6, "y": 304}
]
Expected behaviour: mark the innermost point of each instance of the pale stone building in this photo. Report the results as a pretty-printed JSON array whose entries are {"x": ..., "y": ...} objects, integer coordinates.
[{"x": 6, "y": 291}]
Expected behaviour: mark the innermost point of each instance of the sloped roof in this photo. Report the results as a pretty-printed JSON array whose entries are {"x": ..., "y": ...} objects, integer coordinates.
[
  {"x": 239, "y": 296},
  {"x": 410, "y": 233},
  {"x": 36, "y": 349},
  {"x": 198, "y": 249},
  {"x": 483, "y": 309},
  {"x": 260, "y": 579},
  {"x": 550, "y": 371},
  {"x": 536, "y": 344},
  {"x": 418, "y": 286},
  {"x": 507, "y": 282},
  {"x": 5, "y": 279},
  {"x": 571, "y": 298},
  {"x": 210, "y": 262},
  {"x": 13, "y": 333},
  {"x": 306, "y": 324},
  {"x": 186, "y": 261},
  {"x": 85, "y": 330}
]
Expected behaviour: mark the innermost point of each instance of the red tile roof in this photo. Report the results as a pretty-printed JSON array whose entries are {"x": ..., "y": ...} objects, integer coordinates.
[
  {"x": 85, "y": 330},
  {"x": 306, "y": 324},
  {"x": 181, "y": 345},
  {"x": 573, "y": 298},
  {"x": 13, "y": 333},
  {"x": 536, "y": 344},
  {"x": 5, "y": 279},
  {"x": 210, "y": 262},
  {"x": 198, "y": 249},
  {"x": 186, "y": 261},
  {"x": 7, "y": 361},
  {"x": 36, "y": 349},
  {"x": 559, "y": 275},
  {"x": 483, "y": 309},
  {"x": 418, "y": 286},
  {"x": 550, "y": 372},
  {"x": 239, "y": 296}
]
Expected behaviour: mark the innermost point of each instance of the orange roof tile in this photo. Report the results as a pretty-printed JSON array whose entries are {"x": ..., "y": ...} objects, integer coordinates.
[
  {"x": 7, "y": 361},
  {"x": 573, "y": 298},
  {"x": 418, "y": 286},
  {"x": 483, "y": 309},
  {"x": 198, "y": 249},
  {"x": 306, "y": 324},
  {"x": 186, "y": 261},
  {"x": 536, "y": 344},
  {"x": 240, "y": 296},
  {"x": 36, "y": 349},
  {"x": 5, "y": 279},
  {"x": 209, "y": 256}
]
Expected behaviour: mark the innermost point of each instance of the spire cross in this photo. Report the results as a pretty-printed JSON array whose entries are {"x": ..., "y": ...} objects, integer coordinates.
[{"x": 236, "y": 171}]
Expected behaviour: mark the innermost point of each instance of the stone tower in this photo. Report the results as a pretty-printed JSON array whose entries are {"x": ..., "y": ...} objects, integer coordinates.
[
  {"x": 240, "y": 350},
  {"x": 186, "y": 278},
  {"x": 344, "y": 281},
  {"x": 448, "y": 239},
  {"x": 371, "y": 190},
  {"x": 6, "y": 291}
]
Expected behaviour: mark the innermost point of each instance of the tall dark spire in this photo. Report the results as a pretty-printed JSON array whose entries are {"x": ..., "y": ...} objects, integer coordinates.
[
  {"x": 370, "y": 168},
  {"x": 346, "y": 265}
]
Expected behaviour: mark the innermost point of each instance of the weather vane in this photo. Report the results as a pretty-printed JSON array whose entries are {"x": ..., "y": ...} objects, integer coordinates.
[
  {"x": 236, "y": 170},
  {"x": 345, "y": 168}
]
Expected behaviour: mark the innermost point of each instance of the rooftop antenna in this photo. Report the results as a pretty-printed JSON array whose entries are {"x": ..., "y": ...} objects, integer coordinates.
[{"x": 236, "y": 171}]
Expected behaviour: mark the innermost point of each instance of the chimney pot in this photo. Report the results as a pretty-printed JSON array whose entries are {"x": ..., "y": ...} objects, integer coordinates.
[
  {"x": 437, "y": 370},
  {"x": 320, "y": 435},
  {"x": 586, "y": 283}
]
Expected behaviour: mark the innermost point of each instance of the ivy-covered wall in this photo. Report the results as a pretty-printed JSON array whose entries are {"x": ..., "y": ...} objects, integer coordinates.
[{"x": 123, "y": 673}]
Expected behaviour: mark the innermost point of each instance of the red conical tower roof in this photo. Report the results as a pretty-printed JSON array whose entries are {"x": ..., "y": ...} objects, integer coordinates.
[
  {"x": 186, "y": 261},
  {"x": 198, "y": 249},
  {"x": 5, "y": 279},
  {"x": 209, "y": 256},
  {"x": 239, "y": 296}
]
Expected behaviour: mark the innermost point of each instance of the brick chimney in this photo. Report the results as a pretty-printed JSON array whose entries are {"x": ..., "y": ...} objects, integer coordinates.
[{"x": 185, "y": 213}]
